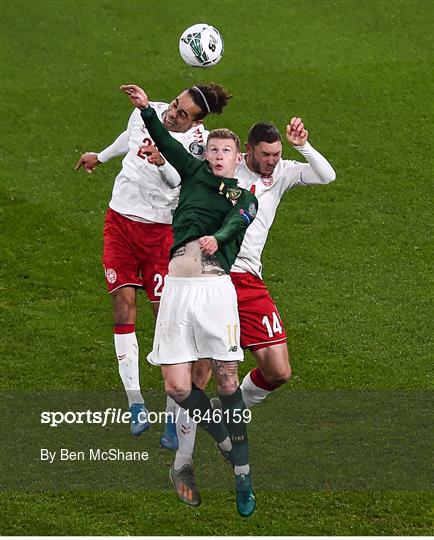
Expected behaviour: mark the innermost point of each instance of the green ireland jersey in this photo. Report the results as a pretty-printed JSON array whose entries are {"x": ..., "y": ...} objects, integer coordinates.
[{"x": 208, "y": 205}]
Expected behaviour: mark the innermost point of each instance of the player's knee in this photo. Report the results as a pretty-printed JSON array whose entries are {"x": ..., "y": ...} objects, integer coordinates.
[
  {"x": 277, "y": 373},
  {"x": 228, "y": 384},
  {"x": 227, "y": 387},
  {"x": 178, "y": 392},
  {"x": 281, "y": 376}
]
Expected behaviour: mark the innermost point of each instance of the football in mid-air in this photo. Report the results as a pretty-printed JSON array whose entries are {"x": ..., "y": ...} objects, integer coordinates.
[{"x": 201, "y": 45}]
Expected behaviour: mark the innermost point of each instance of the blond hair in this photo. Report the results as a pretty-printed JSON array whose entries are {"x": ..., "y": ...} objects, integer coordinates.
[{"x": 224, "y": 133}]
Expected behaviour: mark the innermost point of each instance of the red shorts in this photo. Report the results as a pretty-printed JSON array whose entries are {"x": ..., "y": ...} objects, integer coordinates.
[
  {"x": 136, "y": 254},
  {"x": 261, "y": 325}
]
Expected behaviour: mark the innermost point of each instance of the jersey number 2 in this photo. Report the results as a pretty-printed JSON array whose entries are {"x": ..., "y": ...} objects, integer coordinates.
[
  {"x": 275, "y": 328},
  {"x": 158, "y": 279},
  {"x": 142, "y": 152}
]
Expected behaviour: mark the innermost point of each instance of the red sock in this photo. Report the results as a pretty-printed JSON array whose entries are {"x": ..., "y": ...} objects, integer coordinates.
[
  {"x": 124, "y": 328},
  {"x": 258, "y": 379}
]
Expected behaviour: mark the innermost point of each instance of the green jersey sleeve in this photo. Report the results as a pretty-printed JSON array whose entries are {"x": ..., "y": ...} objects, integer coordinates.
[
  {"x": 237, "y": 219},
  {"x": 172, "y": 150}
]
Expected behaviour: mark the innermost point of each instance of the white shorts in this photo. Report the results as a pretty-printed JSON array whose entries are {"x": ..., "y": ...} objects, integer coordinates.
[{"x": 197, "y": 318}]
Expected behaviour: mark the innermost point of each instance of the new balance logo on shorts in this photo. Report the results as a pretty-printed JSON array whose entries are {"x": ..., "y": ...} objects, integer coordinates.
[{"x": 233, "y": 348}]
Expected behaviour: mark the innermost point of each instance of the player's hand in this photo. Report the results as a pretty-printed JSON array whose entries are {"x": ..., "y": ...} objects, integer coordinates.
[
  {"x": 137, "y": 96},
  {"x": 88, "y": 161},
  {"x": 295, "y": 132},
  {"x": 154, "y": 156},
  {"x": 208, "y": 245}
]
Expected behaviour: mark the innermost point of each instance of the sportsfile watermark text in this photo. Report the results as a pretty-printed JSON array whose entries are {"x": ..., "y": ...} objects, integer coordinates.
[{"x": 118, "y": 416}]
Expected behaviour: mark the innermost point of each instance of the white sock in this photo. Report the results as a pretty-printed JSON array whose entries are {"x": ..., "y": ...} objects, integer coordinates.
[
  {"x": 226, "y": 445},
  {"x": 127, "y": 352},
  {"x": 171, "y": 406},
  {"x": 242, "y": 469},
  {"x": 181, "y": 460},
  {"x": 186, "y": 432},
  {"x": 252, "y": 394}
]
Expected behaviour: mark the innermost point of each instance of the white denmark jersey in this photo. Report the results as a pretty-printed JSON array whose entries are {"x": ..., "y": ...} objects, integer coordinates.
[
  {"x": 143, "y": 191},
  {"x": 269, "y": 190}
]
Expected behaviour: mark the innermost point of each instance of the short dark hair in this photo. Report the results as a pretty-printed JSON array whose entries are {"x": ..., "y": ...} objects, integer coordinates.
[
  {"x": 224, "y": 133},
  {"x": 210, "y": 98},
  {"x": 263, "y": 132}
]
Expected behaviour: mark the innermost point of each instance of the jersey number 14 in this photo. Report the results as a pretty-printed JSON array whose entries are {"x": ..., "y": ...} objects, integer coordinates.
[{"x": 275, "y": 327}]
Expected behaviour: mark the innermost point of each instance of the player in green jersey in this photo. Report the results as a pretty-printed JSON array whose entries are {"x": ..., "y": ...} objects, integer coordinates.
[{"x": 198, "y": 316}]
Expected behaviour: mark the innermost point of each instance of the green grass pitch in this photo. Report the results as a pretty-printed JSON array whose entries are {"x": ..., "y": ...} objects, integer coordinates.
[{"x": 348, "y": 264}]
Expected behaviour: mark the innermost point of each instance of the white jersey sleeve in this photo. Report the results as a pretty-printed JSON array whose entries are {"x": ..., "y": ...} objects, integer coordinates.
[
  {"x": 169, "y": 175},
  {"x": 317, "y": 170},
  {"x": 118, "y": 148}
]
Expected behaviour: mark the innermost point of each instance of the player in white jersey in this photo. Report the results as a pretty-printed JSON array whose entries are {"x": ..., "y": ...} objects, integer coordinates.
[
  {"x": 269, "y": 177},
  {"x": 137, "y": 229},
  {"x": 265, "y": 173}
]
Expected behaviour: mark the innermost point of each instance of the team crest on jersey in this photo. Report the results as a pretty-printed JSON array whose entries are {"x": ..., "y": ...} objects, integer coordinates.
[
  {"x": 111, "y": 275},
  {"x": 196, "y": 149},
  {"x": 233, "y": 194},
  {"x": 267, "y": 181}
]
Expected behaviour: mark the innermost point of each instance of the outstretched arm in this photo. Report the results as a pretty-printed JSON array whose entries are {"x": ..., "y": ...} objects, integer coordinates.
[
  {"x": 172, "y": 150},
  {"x": 118, "y": 148},
  {"x": 317, "y": 170}
]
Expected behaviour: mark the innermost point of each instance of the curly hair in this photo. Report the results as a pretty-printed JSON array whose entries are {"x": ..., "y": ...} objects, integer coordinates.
[{"x": 210, "y": 98}]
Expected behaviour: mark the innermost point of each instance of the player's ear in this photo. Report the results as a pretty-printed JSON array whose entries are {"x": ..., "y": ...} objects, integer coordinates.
[
  {"x": 249, "y": 149},
  {"x": 239, "y": 158}
]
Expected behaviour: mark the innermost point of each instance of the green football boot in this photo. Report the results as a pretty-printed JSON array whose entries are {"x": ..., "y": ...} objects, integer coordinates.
[{"x": 246, "y": 502}]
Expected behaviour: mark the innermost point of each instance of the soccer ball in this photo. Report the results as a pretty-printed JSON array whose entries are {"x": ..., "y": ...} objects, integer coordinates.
[{"x": 201, "y": 45}]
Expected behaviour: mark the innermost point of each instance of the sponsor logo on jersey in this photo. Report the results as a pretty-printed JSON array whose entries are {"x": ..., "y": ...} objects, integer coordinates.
[
  {"x": 267, "y": 181},
  {"x": 252, "y": 210},
  {"x": 196, "y": 149},
  {"x": 111, "y": 275}
]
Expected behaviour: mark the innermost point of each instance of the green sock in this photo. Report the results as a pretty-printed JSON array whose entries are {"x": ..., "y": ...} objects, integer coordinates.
[
  {"x": 198, "y": 401},
  {"x": 236, "y": 425}
]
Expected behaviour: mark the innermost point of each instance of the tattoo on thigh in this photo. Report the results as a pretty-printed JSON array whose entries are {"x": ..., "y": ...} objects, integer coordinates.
[{"x": 226, "y": 374}]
